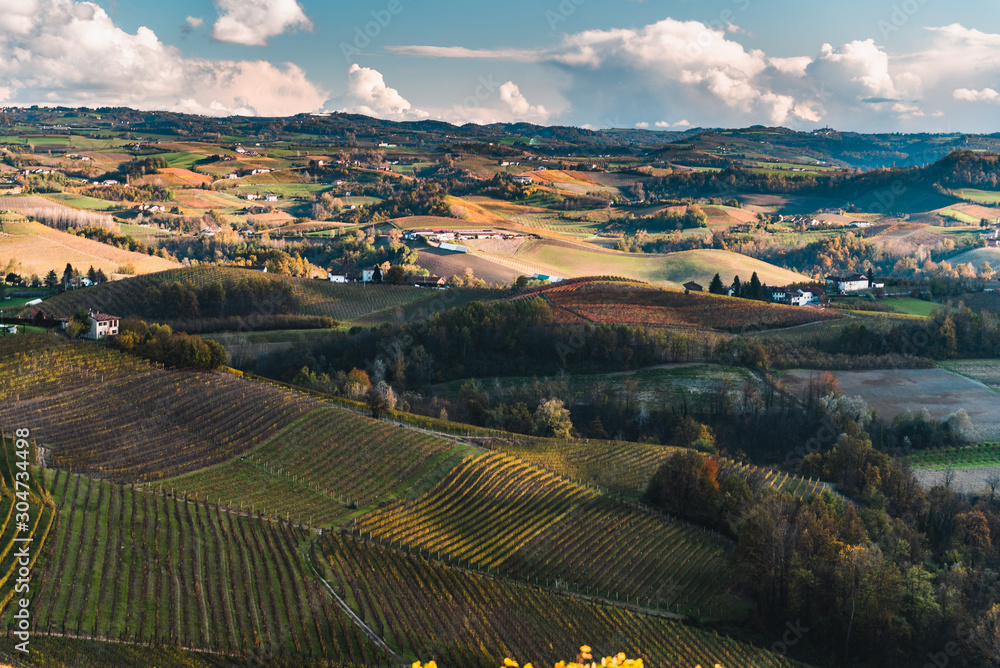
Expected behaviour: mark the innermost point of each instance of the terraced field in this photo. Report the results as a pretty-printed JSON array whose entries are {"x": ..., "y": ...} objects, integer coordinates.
[{"x": 506, "y": 516}]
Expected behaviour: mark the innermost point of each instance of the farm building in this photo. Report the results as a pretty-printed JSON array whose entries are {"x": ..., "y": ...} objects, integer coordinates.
[
  {"x": 339, "y": 277},
  {"x": 793, "y": 297},
  {"x": 691, "y": 286},
  {"x": 454, "y": 248},
  {"x": 369, "y": 274},
  {"x": 851, "y": 283},
  {"x": 429, "y": 282},
  {"x": 102, "y": 326},
  {"x": 523, "y": 179}
]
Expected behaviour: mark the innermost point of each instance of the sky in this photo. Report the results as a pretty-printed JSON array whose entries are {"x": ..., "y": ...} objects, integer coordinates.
[{"x": 861, "y": 65}]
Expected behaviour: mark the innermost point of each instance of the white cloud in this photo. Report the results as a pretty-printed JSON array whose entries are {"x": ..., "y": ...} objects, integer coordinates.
[
  {"x": 18, "y": 16},
  {"x": 194, "y": 22},
  {"x": 73, "y": 54},
  {"x": 795, "y": 66},
  {"x": 368, "y": 94},
  {"x": 519, "y": 107},
  {"x": 971, "y": 95},
  {"x": 642, "y": 125},
  {"x": 253, "y": 22}
]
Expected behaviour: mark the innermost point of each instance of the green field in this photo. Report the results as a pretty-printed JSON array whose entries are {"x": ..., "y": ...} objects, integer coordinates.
[
  {"x": 980, "y": 196},
  {"x": 81, "y": 201},
  {"x": 912, "y": 306},
  {"x": 982, "y": 455},
  {"x": 959, "y": 216}
]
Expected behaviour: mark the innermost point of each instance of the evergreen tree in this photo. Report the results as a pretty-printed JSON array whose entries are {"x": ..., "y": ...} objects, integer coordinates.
[
  {"x": 92, "y": 275},
  {"x": 716, "y": 287},
  {"x": 51, "y": 280},
  {"x": 737, "y": 287},
  {"x": 754, "y": 292},
  {"x": 68, "y": 274},
  {"x": 101, "y": 276}
]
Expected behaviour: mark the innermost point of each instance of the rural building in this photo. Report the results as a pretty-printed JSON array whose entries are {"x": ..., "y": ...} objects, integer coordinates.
[
  {"x": 369, "y": 274},
  {"x": 851, "y": 283},
  {"x": 691, "y": 286},
  {"x": 454, "y": 248},
  {"x": 336, "y": 277},
  {"x": 523, "y": 179},
  {"x": 792, "y": 297},
  {"x": 550, "y": 279},
  {"x": 271, "y": 198},
  {"x": 9, "y": 329},
  {"x": 102, "y": 326},
  {"x": 860, "y": 224},
  {"x": 429, "y": 282}
]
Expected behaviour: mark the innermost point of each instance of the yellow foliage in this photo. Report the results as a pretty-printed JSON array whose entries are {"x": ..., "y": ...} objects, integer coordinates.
[{"x": 618, "y": 661}]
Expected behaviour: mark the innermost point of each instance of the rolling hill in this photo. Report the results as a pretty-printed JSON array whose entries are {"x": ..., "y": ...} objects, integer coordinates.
[{"x": 40, "y": 249}]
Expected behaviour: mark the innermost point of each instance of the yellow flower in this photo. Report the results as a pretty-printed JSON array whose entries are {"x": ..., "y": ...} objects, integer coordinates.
[
  {"x": 585, "y": 649},
  {"x": 510, "y": 663}
]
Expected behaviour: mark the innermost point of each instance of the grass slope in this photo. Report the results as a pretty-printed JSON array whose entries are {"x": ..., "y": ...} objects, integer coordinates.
[
  {"x": 40, "y": 249},
  {"x": 556, "y": 258}
]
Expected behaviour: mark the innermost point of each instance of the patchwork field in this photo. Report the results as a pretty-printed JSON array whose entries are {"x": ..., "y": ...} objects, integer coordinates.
[
  {"x": 940, "y": 391},
  {"x": 446, "y": 263}
]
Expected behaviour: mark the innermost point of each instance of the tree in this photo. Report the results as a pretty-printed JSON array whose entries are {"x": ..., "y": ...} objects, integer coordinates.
[
  {"x": 68, "y": 272},
  {"x": 79, "y": 324},
  {"x": 756, "y": 289},
  {"x": 737, "y": 287},
  {"x": 687, "y": 485},
  {"x": 553, "y": 419},
  {"x": 13, "y": 279},
  {"x": 716, "y": 287},
  {"x": 381, "y": 398},
  {"x": 986, "y": 635},
  {"x": 101, "y": 276},
  {"x": 92, "y": 275},
  {"x": 51, "y": 280}
]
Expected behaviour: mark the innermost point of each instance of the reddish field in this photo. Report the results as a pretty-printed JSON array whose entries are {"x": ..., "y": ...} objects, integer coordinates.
[{"x": 668, "y": 308}]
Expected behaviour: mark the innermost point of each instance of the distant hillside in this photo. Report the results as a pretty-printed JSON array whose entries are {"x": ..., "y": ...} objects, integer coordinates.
[
  {"x": 567, "y": 260},
  {"x": 40, "y": 249}
]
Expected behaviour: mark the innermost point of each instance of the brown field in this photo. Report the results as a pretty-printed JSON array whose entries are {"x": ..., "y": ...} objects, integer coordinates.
[
  {"x": 25, "y": 202},
  {"x": 963, "y": 481},
  {"x": 39, "y": 249},
  {"x": 893, "y": 391},
  {"x": 447, "y": 264}
]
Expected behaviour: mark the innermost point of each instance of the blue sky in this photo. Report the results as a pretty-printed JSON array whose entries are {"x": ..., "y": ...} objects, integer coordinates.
[{"x": 910, "y": 65}]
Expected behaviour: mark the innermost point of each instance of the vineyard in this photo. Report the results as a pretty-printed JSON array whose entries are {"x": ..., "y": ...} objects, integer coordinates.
[
  {"x": 626, "y": 468},
  {"x": 16, "y": 498},
  {"x": 981, "y": 455},
  {"x": 462, "y": 619},
  {"x": 157, "y": 424},
  {"x": 34, "y": 365},
  {"x": 135, "y": 566},
  {"x": 670, "y": 308},
  {"x": 324, "y": 466},
  {"x": 506, "y": 516}
]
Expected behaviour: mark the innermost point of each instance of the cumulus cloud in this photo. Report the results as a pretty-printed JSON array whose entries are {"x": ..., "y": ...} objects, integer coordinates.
[
  {"x": 253, "y": 22},
  {"x": 367, "y": 93},
  {"x": 971, "y": 95},
  {"x": 71, "y": 53},
  {"x": 685, "y": 67},
  {"x": 518, "y": 105}
]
